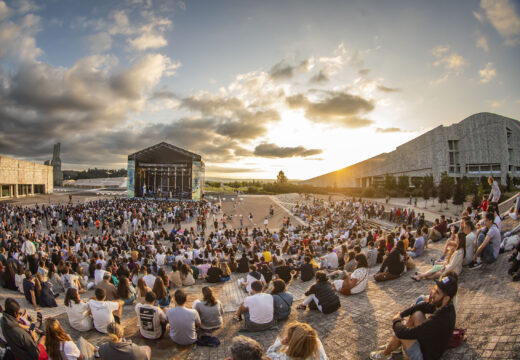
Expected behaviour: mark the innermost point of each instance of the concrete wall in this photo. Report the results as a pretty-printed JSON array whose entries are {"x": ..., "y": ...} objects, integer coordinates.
[
  {"x": 15, "y": 172},
  {"x": 481, "y": 139}
]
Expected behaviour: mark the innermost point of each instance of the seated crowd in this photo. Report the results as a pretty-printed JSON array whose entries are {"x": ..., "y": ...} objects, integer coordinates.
[{"x": 120, "y": 249}]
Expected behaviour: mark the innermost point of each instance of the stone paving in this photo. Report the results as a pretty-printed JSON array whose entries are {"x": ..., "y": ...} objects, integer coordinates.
[{"x": 488, "y": 307}]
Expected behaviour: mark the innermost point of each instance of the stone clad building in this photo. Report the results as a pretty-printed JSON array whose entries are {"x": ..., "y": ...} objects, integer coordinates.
[
  {"x": 24, "y": 178},
  {"x": 483, "y": 144}
]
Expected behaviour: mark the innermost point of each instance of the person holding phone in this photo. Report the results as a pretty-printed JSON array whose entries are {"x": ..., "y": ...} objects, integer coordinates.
[{"x": 24, "y": 344}]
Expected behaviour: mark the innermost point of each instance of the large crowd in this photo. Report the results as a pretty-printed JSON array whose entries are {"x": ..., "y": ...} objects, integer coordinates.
[{"x": 122, "y": 250}]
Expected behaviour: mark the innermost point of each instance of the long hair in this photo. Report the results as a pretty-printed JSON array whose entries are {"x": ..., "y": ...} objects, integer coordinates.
[
  {"x": 185, "y": 269},
  {"x": 361, "y": 261},
  {"x": 302, "y": 341},
  {"x": 123, "y": 289},
  {"x": 159, "y": 289},
  {"x": 226, "y": 271},
  {"x": 462, "y": 242},
  {"x": 208, "y": 295},
  {"x": 71, "y": 296},
  {"x": 54, "y": 335},
  {"x": 141, "y": 286}
]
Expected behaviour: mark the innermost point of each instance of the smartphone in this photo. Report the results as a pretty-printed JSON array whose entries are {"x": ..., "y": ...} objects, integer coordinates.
[{"x": 32, "y": 327}]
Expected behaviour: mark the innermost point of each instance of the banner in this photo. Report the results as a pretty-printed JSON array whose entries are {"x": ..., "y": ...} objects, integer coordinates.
[
  {"x": 197, "y": 180},
  {"x": 130, "y": 182}
]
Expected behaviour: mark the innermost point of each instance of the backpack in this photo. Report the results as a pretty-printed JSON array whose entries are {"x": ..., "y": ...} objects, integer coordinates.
[
  {"x": 457, "y": 338},
  {"x": 208, "y": 340}
]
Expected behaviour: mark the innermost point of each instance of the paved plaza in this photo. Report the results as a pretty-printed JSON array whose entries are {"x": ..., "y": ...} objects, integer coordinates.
[{"x": 488, "y": 307}]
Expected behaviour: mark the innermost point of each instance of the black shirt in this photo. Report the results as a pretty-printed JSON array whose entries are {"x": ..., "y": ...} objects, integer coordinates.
[
  {"x": 307, "y": 272},
  {"x": 284, "y": 273},
  {"x": 434, "y": 333},
  {"x": 214, "y": 274}
]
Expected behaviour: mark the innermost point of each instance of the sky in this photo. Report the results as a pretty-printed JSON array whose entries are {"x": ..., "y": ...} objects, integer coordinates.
[{"x": 255, "y": 87}]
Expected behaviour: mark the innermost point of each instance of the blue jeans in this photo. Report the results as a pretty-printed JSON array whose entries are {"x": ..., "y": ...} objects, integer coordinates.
[
  {"x": 487, "y": 253},
  {"x": 414, "y": 352}
]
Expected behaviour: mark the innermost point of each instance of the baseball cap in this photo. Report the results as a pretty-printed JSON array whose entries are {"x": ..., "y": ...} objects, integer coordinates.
[{"x": 448, "y": 285}]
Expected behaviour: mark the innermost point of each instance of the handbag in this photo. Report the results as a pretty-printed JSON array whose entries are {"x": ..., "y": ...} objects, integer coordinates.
[{"x": 457, "y": 338}]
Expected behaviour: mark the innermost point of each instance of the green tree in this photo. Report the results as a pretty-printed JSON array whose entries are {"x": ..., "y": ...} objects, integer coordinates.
[
  {"x": 403, "y": 182},
  {"x": 458, "y": 193},
  {"x": 445, "y": 188},
  {"x": 417, "y": 182},
  {"x": 390, "y": 183},
  {"x": 427, "y": 187},
  {"x": 281, "y": 178},
  {"x": 475, "y": 202}
]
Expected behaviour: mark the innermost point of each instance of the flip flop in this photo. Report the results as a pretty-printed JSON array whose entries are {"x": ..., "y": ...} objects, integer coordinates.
[{"x": 416, "y": 279}]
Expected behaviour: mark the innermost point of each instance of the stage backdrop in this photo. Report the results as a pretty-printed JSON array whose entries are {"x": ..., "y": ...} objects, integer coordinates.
[{"x": 197, "y": 177}]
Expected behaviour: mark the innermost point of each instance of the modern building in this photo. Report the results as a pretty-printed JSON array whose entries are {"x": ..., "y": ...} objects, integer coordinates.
[
  {"x": 23, "y": 178},
  {"x": 483, "y": 144},
  {"x": 165, "y": 171}
]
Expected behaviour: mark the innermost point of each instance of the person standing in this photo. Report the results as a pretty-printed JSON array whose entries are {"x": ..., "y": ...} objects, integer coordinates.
[{"x": 29, "y": 250}]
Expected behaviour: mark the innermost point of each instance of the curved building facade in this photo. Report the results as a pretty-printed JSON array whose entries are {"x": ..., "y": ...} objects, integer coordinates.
[{"x": 483, "y": 144}]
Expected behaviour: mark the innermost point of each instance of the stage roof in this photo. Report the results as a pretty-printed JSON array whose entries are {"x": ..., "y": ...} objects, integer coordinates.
[{"x": 164, "y": 153}]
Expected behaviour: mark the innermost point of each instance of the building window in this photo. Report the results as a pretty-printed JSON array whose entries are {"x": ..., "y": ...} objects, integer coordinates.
[
  {"x": 483, "y": 168},
  {"x": 509, "y": 134},
  {"x": 453, "y": 147}
]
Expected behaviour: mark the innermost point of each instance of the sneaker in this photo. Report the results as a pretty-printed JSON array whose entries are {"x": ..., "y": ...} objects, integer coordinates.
[
  {"x": 237, "y": 318},
  {"x": 379, "y": 355},
  {"x": 475, "y": 265}
]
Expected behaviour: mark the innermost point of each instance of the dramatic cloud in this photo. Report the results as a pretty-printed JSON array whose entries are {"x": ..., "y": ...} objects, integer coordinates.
[
  {"x": 503, "y": 15},
  {"x": 17, "y": 42},
  {"x": 387, "y": 89},
  {"x": 339, "y": 108},
  {"x": 58, "y": 104},
  {"x": 487, "y": 73},
  {"x": 364, "y": 71},
  {"x": 274, "y": 151},
  {"x": 285, "y": 71},
  {"x": 388, "y": 130},
  {"x": 232, "y": 117}
]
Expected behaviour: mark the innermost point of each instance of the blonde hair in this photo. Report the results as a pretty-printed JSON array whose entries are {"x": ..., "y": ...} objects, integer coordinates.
[
  {"x": 302, "y": 341},
  {"x": 226, "y": 271},
  {"x": 115, "y": 332}
]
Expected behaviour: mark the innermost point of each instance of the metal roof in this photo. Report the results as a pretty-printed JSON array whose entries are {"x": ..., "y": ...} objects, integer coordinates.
[{"x": 163, "y": 144}]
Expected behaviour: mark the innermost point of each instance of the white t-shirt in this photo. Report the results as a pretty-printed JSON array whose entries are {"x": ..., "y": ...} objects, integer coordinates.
[
  {"x": 98, "y": 276},
  {"x": 160, "y": 259},
  {"x": 496, "y": 238},
  {"x": 332, "y": 260},
  {"x": 149, "y": 319},
  {"x": 261, "y": 308},
  {"x": 79, "y": 317},
  {"x": 69, "y": 350},
  {"x": 250, "y": 279},
  {"x": 361, "y": 275},
  {"x": 149, "y": 279},
  {"x": 102, "y": 313}
]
